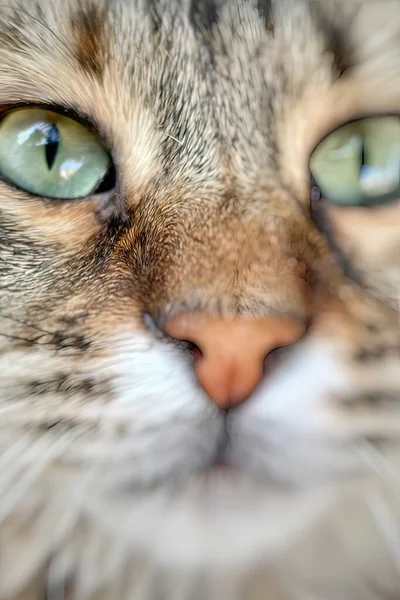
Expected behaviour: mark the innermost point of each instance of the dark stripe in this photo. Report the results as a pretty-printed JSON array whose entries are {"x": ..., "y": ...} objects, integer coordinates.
[
  {"x": 88, "y": 25},
  {"x": 204, "y": 13},
  {"x": 265, "y": 10},
  {"x": 336, "y": 41}
]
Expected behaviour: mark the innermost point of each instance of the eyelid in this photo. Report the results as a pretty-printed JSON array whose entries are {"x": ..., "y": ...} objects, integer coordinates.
[
  {"x": 73, "y": 113},
  {"x": 353, "y": 119}
]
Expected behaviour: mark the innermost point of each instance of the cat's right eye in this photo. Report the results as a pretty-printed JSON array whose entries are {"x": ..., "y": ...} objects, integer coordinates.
[
  {"x": 53, "y": 156},
  {"x": 359, "y": 163}
]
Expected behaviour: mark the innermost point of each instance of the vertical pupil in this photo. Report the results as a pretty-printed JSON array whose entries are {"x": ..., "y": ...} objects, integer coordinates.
[
  {"x": 52, "y": 144},
  {"x": 363, "y": 154}
]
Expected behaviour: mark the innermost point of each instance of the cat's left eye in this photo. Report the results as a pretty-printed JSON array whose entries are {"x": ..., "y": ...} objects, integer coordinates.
[
  {"x": 359, "y": 163},
  {"x": 53, "y": 156}
]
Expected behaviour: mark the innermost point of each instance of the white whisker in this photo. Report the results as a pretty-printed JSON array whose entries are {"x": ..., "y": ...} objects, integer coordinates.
[
  {"x": 380, "y": 464},
  {"x": 388, "y": 525},
  {"x": 26, "y": 457},
  {"x": 385, "y": 520},
  {"x": 66, "y": 522},
  {"x": 180, "y": 142},
  {"x": 38, "y": 464},
  {"x": 14, "y": 451},
  {"x": 10, "y": 407}
]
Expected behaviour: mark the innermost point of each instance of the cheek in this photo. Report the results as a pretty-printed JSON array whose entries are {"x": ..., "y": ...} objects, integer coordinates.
[
  {"x": 68, "y": 224},
  {"x": 372, "y": 235},
  {"x": 292, "y": 428},
  {"x": 162, "y": 421}
]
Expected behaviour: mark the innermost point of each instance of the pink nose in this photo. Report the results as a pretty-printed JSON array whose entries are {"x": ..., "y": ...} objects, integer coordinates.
[{"x": 232, "y": 351}]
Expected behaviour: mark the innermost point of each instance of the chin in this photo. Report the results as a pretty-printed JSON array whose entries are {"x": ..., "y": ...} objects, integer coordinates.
[{"x": 228, "y": 536}]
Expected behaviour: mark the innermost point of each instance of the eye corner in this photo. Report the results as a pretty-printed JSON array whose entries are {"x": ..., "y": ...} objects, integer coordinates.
[
  {"x": 73, "y": 113},
  {"x": 357, "y": 118},
  {"x": 109, "y": 181},
  {"x": 315, "y": 190}
]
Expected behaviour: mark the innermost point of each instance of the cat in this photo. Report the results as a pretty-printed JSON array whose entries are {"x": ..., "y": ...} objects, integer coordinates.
[{"x": 199, "y": 346}]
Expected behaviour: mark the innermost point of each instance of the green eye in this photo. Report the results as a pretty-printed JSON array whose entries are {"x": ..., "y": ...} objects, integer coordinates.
[
  {"x": 359, "y": 163},
  {"x": 50, "y": 155}
]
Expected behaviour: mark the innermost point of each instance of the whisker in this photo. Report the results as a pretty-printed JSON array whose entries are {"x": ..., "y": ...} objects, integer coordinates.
[
  {"x": 379, "y": 463},
  {"x": 385, "y": 520},
  {"x": 14, "y": 469},
  {"x": 388, "y": 525},
  {"x": 38, "y": 341},
  {"x": 19, "y": 338},
  {"x": 13, "y": 452},
  {"x": 26, "y": 324},
  {"x": 76, "y": 501},
  {"x": 14, "y": 495},
  {"x": 12, "y": 407},
  {"x": 57, "y": 576}
]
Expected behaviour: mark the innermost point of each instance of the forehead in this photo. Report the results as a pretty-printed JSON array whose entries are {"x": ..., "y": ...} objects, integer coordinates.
[
  {"x": 210, "y": 112},
  {"x": 182, "y": 87},
  {"x": 202, "y": 92}
]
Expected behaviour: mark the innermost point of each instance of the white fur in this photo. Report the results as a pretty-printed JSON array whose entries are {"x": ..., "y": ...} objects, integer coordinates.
[
  {"x": 170, "y": 426},
  {"x": 141, "y": 507}
]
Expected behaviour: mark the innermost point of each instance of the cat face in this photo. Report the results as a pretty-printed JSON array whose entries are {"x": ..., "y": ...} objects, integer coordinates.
[{"x": 143, "y": 287}]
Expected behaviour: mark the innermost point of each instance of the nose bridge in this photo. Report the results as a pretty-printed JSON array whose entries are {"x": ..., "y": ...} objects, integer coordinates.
[
  {"x": 241, "y": 260},
  {"x": 233, "y": 350},
  {"x": 210, "y": 270}
]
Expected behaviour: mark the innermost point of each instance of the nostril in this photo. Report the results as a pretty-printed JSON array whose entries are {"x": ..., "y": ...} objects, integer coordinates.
[
  {"x": 194, "y": 350},
  {"x": 273, "y": 360},
  {"x": 232, "y": 355}
]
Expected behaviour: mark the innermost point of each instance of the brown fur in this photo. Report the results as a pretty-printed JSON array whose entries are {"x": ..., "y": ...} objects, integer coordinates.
[{"x": 89, "y": 28}]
